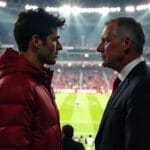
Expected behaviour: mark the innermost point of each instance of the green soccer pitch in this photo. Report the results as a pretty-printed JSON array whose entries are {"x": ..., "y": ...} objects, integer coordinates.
[{"x": 82, "y": 110}]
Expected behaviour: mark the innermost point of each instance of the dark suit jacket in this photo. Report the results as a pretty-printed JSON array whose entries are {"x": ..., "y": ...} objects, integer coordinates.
[{"x": 126, "y": 121}]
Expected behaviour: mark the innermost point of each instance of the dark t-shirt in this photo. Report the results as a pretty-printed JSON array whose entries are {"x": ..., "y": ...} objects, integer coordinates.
[{"x": 69, "y": 144}]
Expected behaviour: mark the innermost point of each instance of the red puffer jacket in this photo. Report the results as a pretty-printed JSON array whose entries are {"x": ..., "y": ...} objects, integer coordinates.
[{"x": 29, "y": 118}]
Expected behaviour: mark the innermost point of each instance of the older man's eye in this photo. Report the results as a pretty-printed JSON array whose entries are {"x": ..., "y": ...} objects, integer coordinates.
[{"x": 106, "y": 42}]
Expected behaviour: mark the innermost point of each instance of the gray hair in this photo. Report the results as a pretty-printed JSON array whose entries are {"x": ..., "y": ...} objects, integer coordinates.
[{"x": 129, "y": 27}]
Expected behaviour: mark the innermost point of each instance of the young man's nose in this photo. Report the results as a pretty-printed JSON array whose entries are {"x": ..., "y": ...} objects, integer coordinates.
[{"x": 59, "y": 46}]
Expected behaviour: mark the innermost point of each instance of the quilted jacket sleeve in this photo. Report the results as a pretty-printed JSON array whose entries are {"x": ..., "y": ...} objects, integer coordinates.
[{"x": 16, "y": 114}]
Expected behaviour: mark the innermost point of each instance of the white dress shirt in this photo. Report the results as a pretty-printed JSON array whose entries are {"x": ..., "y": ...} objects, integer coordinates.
[{"x": 126, "y": 70}]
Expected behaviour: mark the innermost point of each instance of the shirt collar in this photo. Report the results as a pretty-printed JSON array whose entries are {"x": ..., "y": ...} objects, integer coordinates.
[{"x": 125, "y": 71}]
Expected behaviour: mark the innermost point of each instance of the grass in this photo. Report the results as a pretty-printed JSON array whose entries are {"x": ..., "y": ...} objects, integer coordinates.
[{"x": 85, "y": 116}]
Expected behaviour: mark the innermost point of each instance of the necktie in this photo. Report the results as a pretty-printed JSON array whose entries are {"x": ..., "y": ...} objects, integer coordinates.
[{"x": 116, "y": 84}]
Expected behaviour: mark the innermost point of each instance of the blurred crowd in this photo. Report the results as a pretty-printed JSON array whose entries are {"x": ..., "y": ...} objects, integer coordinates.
[{"x": 100, "y": 80}]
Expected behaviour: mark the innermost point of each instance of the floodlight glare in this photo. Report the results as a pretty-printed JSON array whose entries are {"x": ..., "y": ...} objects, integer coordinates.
[
  {"x": 118, "y": 9},
  {"x": 51, "y": 9},
  {"x": 3, "y": 4},
  {"x": 69, "y": 64},
  {"x": 141, "y": 7},
  {"x": 100, "y": 64},
  {"x": 104, "y": 10},
  {"x": 66, "y": 9},
  {"x": 115, "y": 9},
  {"x": 148, "y": 6},
  {"x": 76, "y": 10},
  {"x": 27, "y": 7},
  {"x": 130, "y": 8},
  {"x": 86, "y": 55},
  {"x": 58, "y": 70}
]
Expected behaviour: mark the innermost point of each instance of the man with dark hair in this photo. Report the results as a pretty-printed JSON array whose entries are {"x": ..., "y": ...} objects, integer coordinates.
[
  {"x": 29, "y": 118},
  {"x": 67, "y": 142},
  {"x": 125, "y": 124}
]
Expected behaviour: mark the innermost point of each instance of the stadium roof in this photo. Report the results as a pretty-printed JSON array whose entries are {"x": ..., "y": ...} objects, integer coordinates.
[{"x": 81, "y": 3}]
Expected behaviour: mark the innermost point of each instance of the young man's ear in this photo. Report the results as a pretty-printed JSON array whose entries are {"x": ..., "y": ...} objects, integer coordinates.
[{"x": 36, "y": 41}]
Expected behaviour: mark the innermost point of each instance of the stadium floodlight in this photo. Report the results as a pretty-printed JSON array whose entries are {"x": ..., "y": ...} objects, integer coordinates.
[
  {"x": 27, "y": 7},
  {"x": 118, "y": 9},
  {"x": 58, "y": 70},
  {"x": 85, "y": 10},
  {"x": 100, "y": 64},
  {"x": 95, "y": 10},
  {"x": 76, "y": 10},
  {"x": 52, "y": 9},
  {"x": 104, "y": 10},
  {"x": 98, "y": 10},
  {"x": 88, "y": 10},
  {"x": 129, "y": 8},
  {"x": 91, "y": 10},
  {"x": 148, "y": 6},
  {"x": 3, "y": 4},
  {"x": 141, "y": 7},
  {"x": 66, "y": 9},
  {"x": 86, "y": 55},
  {"x": 83, "y": 65},
  {"x": 115, "y": 9},
  {"x": 69, "y": 64}
]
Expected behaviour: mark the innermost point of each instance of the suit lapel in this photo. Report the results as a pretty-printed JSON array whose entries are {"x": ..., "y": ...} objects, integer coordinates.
[{"x": 113, "y": 99}]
